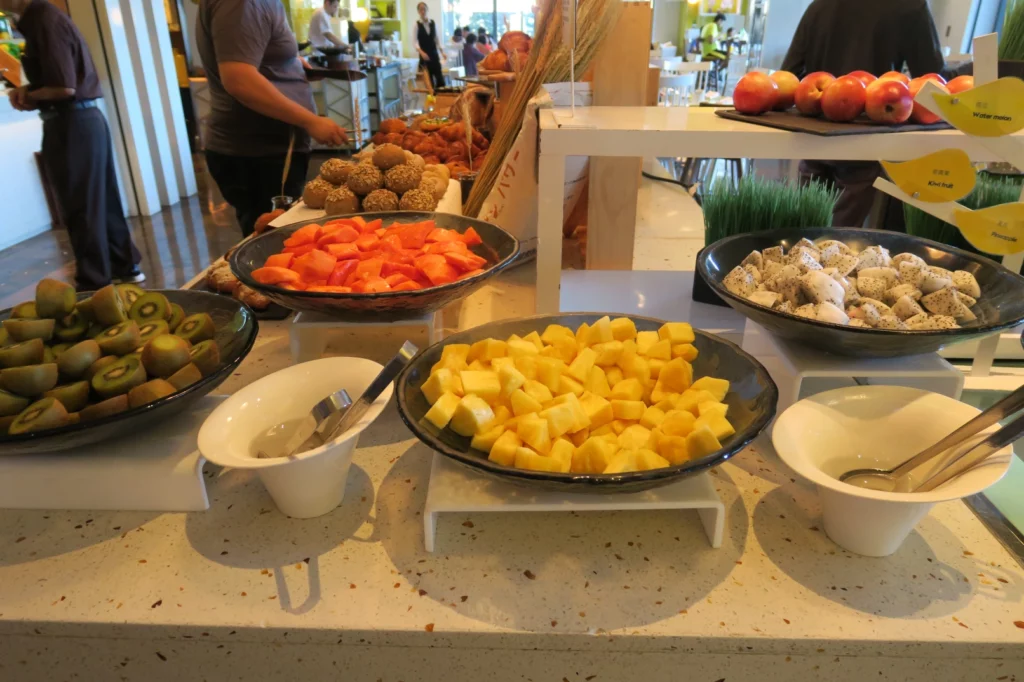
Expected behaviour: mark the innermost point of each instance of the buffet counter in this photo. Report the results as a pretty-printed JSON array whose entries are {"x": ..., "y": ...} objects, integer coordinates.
[
  {"x": 241, "y": 592},
  {"x": 26, "y": 213}
]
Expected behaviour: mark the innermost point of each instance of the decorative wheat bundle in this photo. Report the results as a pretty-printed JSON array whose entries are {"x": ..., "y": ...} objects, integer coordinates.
[{"x": 549, "y": 62}]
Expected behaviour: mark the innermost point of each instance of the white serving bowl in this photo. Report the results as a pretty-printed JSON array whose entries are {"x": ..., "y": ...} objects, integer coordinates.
[
  {"x": 835, "y": 431},
  {"x": 311, "y": 483}
]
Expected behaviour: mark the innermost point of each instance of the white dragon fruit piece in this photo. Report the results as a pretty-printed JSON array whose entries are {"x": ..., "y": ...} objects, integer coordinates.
[
  {"x": 966, "y": 283},
  {"x": 906, "y": 307}
]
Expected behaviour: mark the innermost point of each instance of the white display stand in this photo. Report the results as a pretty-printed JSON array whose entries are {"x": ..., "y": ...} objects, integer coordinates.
[
  {"x": 800, "y": 372},
  {"x": 309, "y": 333},
  {"x": 455, "y": 488}
]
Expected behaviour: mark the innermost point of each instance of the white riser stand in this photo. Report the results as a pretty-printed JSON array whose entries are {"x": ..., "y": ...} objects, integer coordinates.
[
  {"x": 309, "y": 333},
  {"x": 455, "y": 488}
]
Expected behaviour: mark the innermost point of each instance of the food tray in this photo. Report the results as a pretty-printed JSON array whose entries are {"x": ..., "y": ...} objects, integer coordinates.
[{"x": 795, "y": 122}]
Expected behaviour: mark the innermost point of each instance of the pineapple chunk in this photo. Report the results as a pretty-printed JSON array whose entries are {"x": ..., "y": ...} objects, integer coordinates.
[
  {"x": 604, "y": 430},
  {"x": 667, "y": 402},
  {"x": 549, "y": 372},
  {"x": 654, "y": 439},
  {"x": 457, "y": 386},
  {"x": 676, "y": 376},
  {"x": 593, "y": 456},
  {"x": 488, "y": 349},
  {"x": 660, "y": 394},
  {"x": 481, "y": 383},
  {"x": 580, "y": 437},
  {"x": 600, "y": 332},
  {"x": 485, "y": 440},
  {"x": 582, "y": 332},
  {"x": 690, "y": 399},
  {"x": 498, "y": 363},
  {"x": 631, "y": 410},
  {"x": 628, "y": 389},
  {"x": 677, "y": 332},
  {"x": 598, "y": 410},
  {"x": 674, "y": 449},
  {"x": 517, "y": 348},
  {"x": 702, "y": 442},
  {"x": 581, "y": 366},
  {"x": 562, "y": 452},
  {"x": 652, "y": 417},
  {"x": 644, "y": 341},
  {"x": 717, "y": 423},
  {"x": 510, "y": 379},
  {"x": 437, "y": 384},
  {"x": 561, "y": 419},
  {"x": 527, "y": 364},
  {"x": 534, "y": 338},
  {"x": 716, "y": 387},
  {"x": 686, "y": 351},
  {"x": 662, "y": 350},
  {"x": 607, "y": 353},
  {"x": 564, "y": 348},
  {"x": 537, "y": 391},
  {"x": 581, "y": 420},
  {"x": 648, "y": 459},
  {"x": 597, "y": 382},
  {"x": 656, "y": 365},
  {"x": 534, "y": 432},
  {"x": 455, "y": 355},
  {"x": 678, "y": 423},
  {"x": 613, "y": 374},
  {"x": 523, "y": 403},
  {"x": 709, "y": 406},
  {"x": 634, "y": 437},
  {"x": 441, "y": 412},
  {"x": 504, "y": 449},
  {"x": 472, "y": 415},
  {"x": 476, "y": 366},
  {"x": 637, "y": 368},
  {"x": 555, "y": 331},
  {"x": 625, "y": 361},
  {"x": 567, "y": 384},
  {"x": 624, "y": 461},
  {"x": 618, "y": 426},
  {"x": 530, "y": 460},
  {"x": 502, "y": 414},
  {"x": 623, "y": 329}
]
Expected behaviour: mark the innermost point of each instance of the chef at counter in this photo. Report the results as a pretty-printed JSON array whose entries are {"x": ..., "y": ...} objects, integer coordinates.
[{"x": 320, "y": 33}]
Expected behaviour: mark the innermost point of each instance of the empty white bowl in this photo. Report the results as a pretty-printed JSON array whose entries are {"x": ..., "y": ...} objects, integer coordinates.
[
  {"x": 830, "y": 433},
  {"x": 311, "y": 483}
]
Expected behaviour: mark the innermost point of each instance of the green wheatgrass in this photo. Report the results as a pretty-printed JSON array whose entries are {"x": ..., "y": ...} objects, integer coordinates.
[{"x": 757, "y": 204}]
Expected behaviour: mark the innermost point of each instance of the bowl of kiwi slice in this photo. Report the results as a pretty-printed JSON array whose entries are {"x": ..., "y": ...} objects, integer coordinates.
[{"x": 79, "y": 367}]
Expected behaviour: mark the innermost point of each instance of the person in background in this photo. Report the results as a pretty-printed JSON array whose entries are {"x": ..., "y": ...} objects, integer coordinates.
[
  {"x": 709, "y": 39},
  {"x": 457, "y": 37},
  {"x": 483, "y": 41},
  {"x": 471, "y": 56},
  {"x": 64, "y": 88},
  {"x": 429, "y": 46},
  {"x": 355, "y": 39},
  {"x": 320, "y": 33},
  {"x": 730, "y": 37},
  {"x": 261, "y": 105},
  {"x": 871, "y": 35}
]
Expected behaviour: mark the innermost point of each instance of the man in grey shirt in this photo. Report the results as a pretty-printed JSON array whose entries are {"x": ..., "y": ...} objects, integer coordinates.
[{"x": 261, "y": 104}]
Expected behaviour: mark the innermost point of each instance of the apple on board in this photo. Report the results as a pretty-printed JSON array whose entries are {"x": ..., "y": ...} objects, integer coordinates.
[
  {"x": 844, "y": 100},
  {"x": 888, "y": 100},
  {"x": 896, "y": 75},
  {"x": 808, "y": 93},
  {"x": 755, "y": 94},
  {"x": 863, "y": 76},
  {"x": 960, "y": 84},
  {"x": 932, "y": 77},
  {"x": 920, "y": 114},
  {"x": 787, "y": 84}
]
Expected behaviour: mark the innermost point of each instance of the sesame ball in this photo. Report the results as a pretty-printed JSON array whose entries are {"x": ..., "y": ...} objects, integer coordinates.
[
  {"x": 401, "y": 179},
  {"x": 365, "y": 178},
  {"x": 380, "y": 200},
  {"x": 417, "y": 200}
]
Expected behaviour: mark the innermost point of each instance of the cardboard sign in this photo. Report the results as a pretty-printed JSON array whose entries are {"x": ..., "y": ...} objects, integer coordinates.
[
  {"x": 991, "y": 110},
  {"x": 997, "y": 230},
  {"x": 943, "y": 176}
]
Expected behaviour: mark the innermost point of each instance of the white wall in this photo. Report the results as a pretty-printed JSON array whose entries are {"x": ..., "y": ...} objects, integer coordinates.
[
  {"x": 783, "y": 18},
  {"x": 665, "y": 22},
  {"x": 951, "y": 21}
]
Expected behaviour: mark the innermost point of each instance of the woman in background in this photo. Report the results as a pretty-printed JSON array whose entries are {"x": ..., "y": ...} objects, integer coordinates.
[{"x": 429, "y": 46}]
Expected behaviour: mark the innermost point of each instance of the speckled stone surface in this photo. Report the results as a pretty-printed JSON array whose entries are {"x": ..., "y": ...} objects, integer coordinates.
[{"x": 241, "y": 592}]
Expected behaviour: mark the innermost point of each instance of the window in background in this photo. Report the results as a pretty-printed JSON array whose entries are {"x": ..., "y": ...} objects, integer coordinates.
[{"x": 496, "y": 16}]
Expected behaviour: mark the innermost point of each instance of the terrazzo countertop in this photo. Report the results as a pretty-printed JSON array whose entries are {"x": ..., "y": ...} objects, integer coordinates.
[{"x": 241, "y": 592}]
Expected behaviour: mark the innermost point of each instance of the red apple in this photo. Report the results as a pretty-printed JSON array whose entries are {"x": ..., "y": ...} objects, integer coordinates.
[
  {"x": 808, "y": 93},
  {"x": 888, "y": 100},
  {"x": 895, "y": 75},
  {"x": 863, "y": 76},
  {"x": 920, "y": 114},
  {"x": 844, "y": 99},
  {"x": 933, "y": 77},
  {"x": 755, "y": 93},
  {"x": 960, "y": 84},
  {"x": 787, "y": 84}
]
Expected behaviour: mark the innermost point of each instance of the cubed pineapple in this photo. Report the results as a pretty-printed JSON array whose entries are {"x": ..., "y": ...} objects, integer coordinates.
[
  {"x": 600, "y": 332},
  {"x": 716, "y": 387},
  {"x": 534, "y": 338},
  {"x": 580, "y": 437},
  {"x": 581, "y": 420},
  {"x": 564, "y": 348},
  {"x": 567, "y": 384},
  {"x": 488, "y": 349},
  {"x": 622, "y": 462},
  {"x": 593, "y": 456},
  {"x": 652, "y": 417},
  {"x": 654, "y": 439},
  {"x": 582, "y": 333},
  {"x": 631, "y": 410},
  {"x": 717, "y": 423},
  {"x": 690, "y": 399},
  {"x": 656, "y": 366},
  {"x": 623, "y": 329},
  {"x": 711, "y": 406},
  {"x": 441, "y": 411},
  {"x": 437, "y": 384},
  {"x": 599, "y": 411},
  {"x": 607, "y": 353},
  {"x": 677, "y": 423},
  {"x": 581, "y": 366},
  {"x": 628, "y": 389},
  {"x": 549, "y": 372},
  {"x": 498, "y": 363},
  {"x": 597, "y": 383},
  {"x": 625, "y": 361},
  {"x": 676, "y": 376},
  {"x": 537, "y": 391},
  {"x": 674, "y": 449},
  {"x": 504, "y": 449},
  {"x": 644, "y": 341},
  {"x": 562, "y": 452},
  {"x": 662, "y": 350},
  {"x": 613, "y": 374},
  {"x": 637, "y": 368},
  {"x": 517, "y": 348},
  {"x": 561, "y": 419},
  {"x": 476, "y": 366},
  {"x": 554, "y": 331},
  {"x": 527, "y": 364},
  {"x": 472, "y": 415},
  {"x": 481, "y": 383},
  {"x": 604, "y": 430},
  {"x": 523, "y": 403},
  {"x": 634, "y": 437},
  {"x": 531, "y": 461},
  {"x": 502, "y": 414},
  {"x": 667, "y": 402},
  {"x": 534, "y": 432},
  {"x": 702, "y": 442},
  {"x": 457, "y": 386},
  {"x": 510, "y": 379},
  {"x": 618, "y": 426},
  {"x": 485, "y": 440},
  {"x": 457, "y": 353},
  {"x": 686, "y": 351},
  {"x": 649, "y": 459},
  {"x": 676, "y": 332}
]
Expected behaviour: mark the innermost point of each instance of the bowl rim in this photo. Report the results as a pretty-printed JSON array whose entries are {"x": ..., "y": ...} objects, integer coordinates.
[
  {"x": 379, "y": 295},
  {"x": 215, "y": 442},
  {"x": 598, "y": 481},
  {"x": 808, "y": 471},
  {"x": 214, "y": 378},
  {"x": 719, "y": 288}
]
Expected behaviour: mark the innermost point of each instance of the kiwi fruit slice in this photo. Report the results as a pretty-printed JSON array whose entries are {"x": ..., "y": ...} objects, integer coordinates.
[
  {"x": 5, "y": 422},
  {"x": 120, "y": 339},
  {"x": 47, "y": 413},
  {"x": 206, "y": 356},
  {"x": 165, "y": 354},
  {"x": 150, "y": 306},
  {"x": 118, "y": 377},
  {"x": 71, "y": 328},
  {"x": 108, "y": 307},
  {"x": 59, "y": 348},
  {"x": 5, "y": 338},
  {"x": 25, "y": 329},
  {"x": 105, "y": 361},
  {"x": 25, "y": 353},
  {"x": 129, "y": 293},
  {"x": 54, "y": 299},
  {"x": 106, "y": 408},
  {"x": 74, "y": 418},
  {"x": 196, "y": 328},
  {"x": 177, "y": 315},
  {"x": 26, "y": 310},
  {"x": 149, "y": 392},
  {"x": 185, "y": 377},
  {"x": 72, "y": 396},
  {"x": 84, "y": 308},
  {"x": 75, "y": 361},
  {"x": 30, "y": 380},
  {"x": 48, "y": 355},
  {"x": 152, "y": 329},
  {"x": 11, "y": 404}
]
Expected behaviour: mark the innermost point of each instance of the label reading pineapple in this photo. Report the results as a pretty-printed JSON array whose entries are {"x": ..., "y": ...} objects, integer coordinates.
[
  {"x": 942, "y": 176},
  {"x": 991, "y": 110},
  {"x": 997, "y": 230}
]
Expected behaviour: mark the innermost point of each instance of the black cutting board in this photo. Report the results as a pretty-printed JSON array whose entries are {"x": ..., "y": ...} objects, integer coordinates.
[{"x": 794, "y": 122}]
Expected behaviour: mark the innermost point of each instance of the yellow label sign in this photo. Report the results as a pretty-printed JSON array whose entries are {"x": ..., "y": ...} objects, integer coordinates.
[
  {"x": 946, "y": 175},
  {"x": 997, "y": 230},
  {"x": 989, "y": 110}
]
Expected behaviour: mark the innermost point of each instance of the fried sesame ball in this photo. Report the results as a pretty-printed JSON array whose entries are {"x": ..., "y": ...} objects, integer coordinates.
[
  {"x": 316, "y": 191},
  {"x": 401, "y": 179},
  {"x": 365, "y": 178},
  {"x": 336, "y": 170},
  {"x": 417, "y": 200},
  {"x": 341, "y": 200},
  {"x": 380, "y": 200}
]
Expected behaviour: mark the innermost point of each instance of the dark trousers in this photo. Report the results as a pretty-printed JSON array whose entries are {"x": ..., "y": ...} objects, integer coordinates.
[
  {"x": 433, "y": 67},
  {"x": 854, "y": 180},
  {"x": 248, "y": 183},
  {"x": 80, "y": 162}
]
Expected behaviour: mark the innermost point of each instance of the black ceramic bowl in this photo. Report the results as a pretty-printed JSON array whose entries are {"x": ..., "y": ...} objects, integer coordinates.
[
  {"x": 499, "y": 248},
  {"x": 1000, "y": 306},
  {"x": 236, "y": 332},
  {"x": 752, "y": 400}
]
